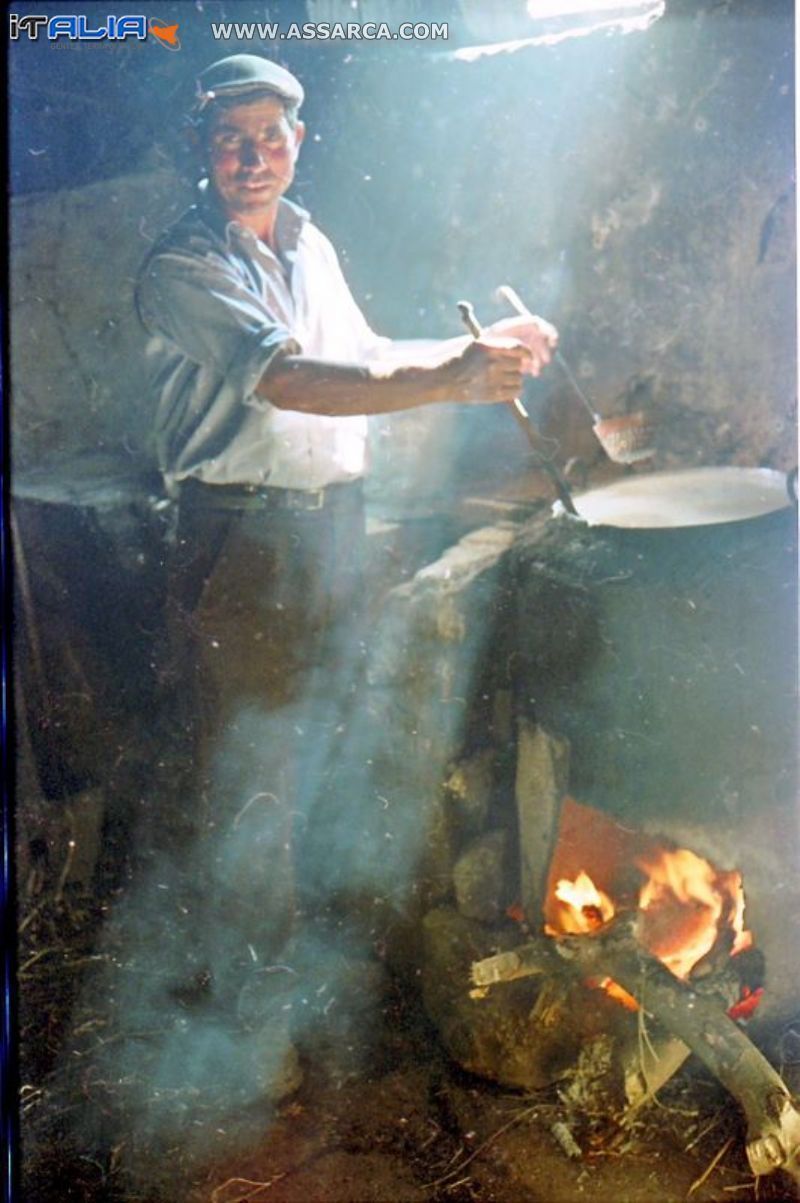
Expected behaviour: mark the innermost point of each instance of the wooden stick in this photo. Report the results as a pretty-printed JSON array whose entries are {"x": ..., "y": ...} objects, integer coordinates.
[
  {"x": 29, "y": 609},
  {"x": 698, "y": 1182},
  {"x": 506, "y": 293},
  {"x": 524, "y": 422},
  {"x": 773, "y": 1120}
]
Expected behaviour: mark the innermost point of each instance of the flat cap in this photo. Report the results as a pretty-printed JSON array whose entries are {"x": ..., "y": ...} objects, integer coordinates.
[{"x": 243, "y": 74}]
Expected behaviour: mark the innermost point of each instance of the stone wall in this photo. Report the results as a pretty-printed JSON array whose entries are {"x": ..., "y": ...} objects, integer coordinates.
[{"x": 79, "y": 380}]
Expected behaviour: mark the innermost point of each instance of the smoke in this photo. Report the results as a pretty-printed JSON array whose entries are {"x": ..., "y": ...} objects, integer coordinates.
[{"x": 260, "y": 939}]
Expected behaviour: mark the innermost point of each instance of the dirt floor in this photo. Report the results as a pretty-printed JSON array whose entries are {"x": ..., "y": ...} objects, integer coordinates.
[{"x": 390, "y": 1122}]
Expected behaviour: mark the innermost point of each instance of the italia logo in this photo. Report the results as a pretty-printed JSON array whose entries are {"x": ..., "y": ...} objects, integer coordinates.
[{"x": 80, "y": 28}]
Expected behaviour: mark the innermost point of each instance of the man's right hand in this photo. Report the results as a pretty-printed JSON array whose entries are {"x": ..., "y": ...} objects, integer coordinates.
[{"x": 488, "y": 371}]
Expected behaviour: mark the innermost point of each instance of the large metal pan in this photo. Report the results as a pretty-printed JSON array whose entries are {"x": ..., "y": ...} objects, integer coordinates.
[{"x": 692, "y": 497}]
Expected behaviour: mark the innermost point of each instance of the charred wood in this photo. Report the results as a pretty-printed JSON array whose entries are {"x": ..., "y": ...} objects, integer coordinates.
[{"x": 697, "y": 1019}]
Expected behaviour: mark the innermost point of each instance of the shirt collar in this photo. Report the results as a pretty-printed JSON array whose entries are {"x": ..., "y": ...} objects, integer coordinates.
[{"x": 288, "y": 228}]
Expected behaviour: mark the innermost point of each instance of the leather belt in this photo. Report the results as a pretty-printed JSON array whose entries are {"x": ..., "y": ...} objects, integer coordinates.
[{"x": 247, "y": 497}]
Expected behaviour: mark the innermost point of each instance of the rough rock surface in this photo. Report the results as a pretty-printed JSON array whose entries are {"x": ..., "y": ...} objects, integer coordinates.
[
  {"x": 469, "y": 791},
  {"x": 428, "y": 655},
  {"x": 496, "y": 1037},
  {"x": 80, "y": 374},
  {"x": 481, "y": 877}
]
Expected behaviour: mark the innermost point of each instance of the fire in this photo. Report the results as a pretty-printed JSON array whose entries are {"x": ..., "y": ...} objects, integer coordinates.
[
  {"x": 584, "y": 909},
  {"x": 687, "y": 908},
  {"x": 587, "y": 908}
]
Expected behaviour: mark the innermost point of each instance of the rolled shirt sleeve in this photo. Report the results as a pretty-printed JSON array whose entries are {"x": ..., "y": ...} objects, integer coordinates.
[
  {"x": 211, "y": 317},
  {"x": 213, "y": 339}
]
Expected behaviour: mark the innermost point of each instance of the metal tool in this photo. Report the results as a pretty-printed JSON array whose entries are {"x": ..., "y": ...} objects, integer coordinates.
[
  {"x": 521, "y": 414},
  {"x": 626, "y": 439}
]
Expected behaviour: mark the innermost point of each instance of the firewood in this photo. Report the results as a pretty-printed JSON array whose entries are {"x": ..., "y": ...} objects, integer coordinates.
[
  {"x": 567, "y": 1141},
  {"x": 647, "y": 1065},
  {"x": 773, "y": 1121}
]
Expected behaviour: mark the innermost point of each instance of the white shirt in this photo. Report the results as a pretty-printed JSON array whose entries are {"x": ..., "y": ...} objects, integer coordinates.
[{"x": 220, "y": 304}]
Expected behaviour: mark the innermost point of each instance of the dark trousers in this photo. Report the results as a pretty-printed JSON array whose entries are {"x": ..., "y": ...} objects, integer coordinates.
[{"x": 268, "y": 647}]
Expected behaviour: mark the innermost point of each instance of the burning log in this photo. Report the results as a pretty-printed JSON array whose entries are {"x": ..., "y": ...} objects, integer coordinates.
[{"x": 773, "y": 1121}]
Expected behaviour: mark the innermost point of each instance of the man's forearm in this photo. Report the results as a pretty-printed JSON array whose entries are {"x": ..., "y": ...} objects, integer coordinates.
[
  {"x": 474, "y": 371},
  {"x": 343, "y": 389}
]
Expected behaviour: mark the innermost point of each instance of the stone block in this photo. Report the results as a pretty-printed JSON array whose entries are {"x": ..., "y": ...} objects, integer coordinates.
[
  {"x": 75, "y": 255},
  {"x": 482, "y": 879},
  {"x": 468, "y": 790},
  {"x": 496, "y": 1037},
  {"x": 426, "y": 652},
  {"x": 542, "y": 772},
  {"x": 434, "y": 626}
]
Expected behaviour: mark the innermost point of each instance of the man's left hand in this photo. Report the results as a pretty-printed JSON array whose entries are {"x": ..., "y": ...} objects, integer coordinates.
[{"x": 538, "y": 335}]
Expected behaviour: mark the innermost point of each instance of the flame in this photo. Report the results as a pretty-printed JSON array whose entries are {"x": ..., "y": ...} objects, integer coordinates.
[
  {"x": 687, "y": 906},
  {"x": 614, "y": 990},
  {"x": 688, "y": 909},
  {"x": 587, "y": 908}
]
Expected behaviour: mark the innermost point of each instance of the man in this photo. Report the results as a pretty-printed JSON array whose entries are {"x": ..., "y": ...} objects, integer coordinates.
[{"x": 266, "y": 373}]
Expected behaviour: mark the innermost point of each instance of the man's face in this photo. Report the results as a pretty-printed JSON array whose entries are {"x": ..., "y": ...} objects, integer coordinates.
[{"x": 253, "y": 150}]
